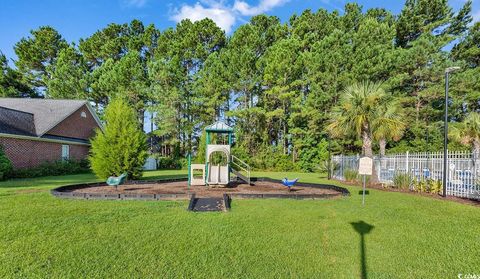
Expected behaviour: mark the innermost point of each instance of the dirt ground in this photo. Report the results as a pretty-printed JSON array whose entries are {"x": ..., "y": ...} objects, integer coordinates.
[{"x": 181, "y": 187}]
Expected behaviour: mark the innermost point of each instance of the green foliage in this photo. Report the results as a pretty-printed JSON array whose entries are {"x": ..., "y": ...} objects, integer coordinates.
[
  {"x": 168, "y": 163},
  {"x": 350, "y": 175},
  {"x": 53, "y": 169},
  {"x": 419, "y": 17},
  {"x": 268, "y": 158},
  {"x": 389, "y": 124},
  {"x": 38, "y": 52},
  {"x": 427, "y": 186},
  {"x": 402, "y": 181},
  {"x": 178, "y": 59},
  {"x": 6, "y": 167},
  {"x": 469, "y": 49},
  {"x": 468, "y": 132},
  {"x": 12, "y": 83},
  {"x": 281, "y": 84},
  {"x": 357, "y": 113},
  {"x": 68, "y": 76},
  {"x": 435, "y": 187},
  {"x": 121, "y": 147},
  {"x": 124, "y": 79},
  {"x": 312, "y": 156}
]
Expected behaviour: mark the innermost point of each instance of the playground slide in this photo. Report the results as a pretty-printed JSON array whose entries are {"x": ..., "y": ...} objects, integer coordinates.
[{"x": 218, "y": 175}]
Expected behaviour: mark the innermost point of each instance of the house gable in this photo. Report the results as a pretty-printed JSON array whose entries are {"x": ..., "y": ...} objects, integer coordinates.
[{"x": 81, "y": 124}]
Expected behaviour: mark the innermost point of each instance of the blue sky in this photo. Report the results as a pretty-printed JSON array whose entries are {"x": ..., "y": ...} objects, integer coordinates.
[{"x": 76, "y": 19}]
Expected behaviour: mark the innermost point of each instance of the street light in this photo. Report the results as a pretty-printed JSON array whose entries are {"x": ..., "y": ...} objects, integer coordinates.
[
  {"x": 445, "y": 137},
  {"x": 329, "y": 175}
]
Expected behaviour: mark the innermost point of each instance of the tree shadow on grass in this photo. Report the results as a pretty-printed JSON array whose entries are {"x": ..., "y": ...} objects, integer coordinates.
[{"x": 362, "y": 229}]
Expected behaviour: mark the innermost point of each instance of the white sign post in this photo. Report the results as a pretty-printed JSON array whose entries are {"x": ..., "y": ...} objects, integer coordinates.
[{"x": 365, "y": 167}]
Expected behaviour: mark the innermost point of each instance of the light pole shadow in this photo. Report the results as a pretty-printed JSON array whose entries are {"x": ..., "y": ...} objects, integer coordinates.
[{"x": 362, "y": 229}]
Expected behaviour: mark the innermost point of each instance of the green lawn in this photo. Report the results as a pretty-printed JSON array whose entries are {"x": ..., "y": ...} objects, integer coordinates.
[{"x": 412, "y": 236}]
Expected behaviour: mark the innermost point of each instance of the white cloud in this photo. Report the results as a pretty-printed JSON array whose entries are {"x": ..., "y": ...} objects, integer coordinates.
[
  {"x": 263, "y": 6},
  {"x": 224, "y": 16},
  {"x": 135, "y": 3}
]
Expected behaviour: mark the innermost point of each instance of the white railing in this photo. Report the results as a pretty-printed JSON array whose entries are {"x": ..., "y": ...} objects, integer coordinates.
[
  {"x": 463, "y": 170},
  {"x": 239, "y": 166}
]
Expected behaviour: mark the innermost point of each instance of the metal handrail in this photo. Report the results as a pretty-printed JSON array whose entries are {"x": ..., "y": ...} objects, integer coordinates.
[{"x": 236, "y": 161}]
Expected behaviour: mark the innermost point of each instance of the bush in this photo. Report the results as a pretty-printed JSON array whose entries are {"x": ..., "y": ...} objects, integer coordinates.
[
  {"x": 53, "y": 168},
  {"x": 169, "y": 163},
  {"x": 436, "y": 186},
  {"x": 323, "y": 166},
  {"x": 122, "y": 147},
  {"x": 350, "y": 175},
  {"x": 401, "y": 181},
  {"x": 5, "y": 165},
  {"x": 427, "y": 186}
]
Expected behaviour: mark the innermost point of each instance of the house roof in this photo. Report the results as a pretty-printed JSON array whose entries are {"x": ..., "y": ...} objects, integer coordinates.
[
  {"x": 219, "y": 126},
  {"x": 16, "y": 122},
  {"x": 45, "y": 113}
]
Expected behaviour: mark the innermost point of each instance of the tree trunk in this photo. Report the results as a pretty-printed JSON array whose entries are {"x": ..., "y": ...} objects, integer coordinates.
[
  {"x": 368, "y": 152},
  {"x": 383, "y": 144}
]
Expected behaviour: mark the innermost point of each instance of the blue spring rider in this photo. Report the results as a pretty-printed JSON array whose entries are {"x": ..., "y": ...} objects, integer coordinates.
[{"x": 289, "y": 183}]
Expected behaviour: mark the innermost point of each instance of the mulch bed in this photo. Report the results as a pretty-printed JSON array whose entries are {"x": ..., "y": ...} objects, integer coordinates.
[{"x": 181, "y": 187}]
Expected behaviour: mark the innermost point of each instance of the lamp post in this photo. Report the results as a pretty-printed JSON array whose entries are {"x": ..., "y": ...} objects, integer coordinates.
[
  {"x": 329, "y": 175},
  {"x": 445, "y": 136}
]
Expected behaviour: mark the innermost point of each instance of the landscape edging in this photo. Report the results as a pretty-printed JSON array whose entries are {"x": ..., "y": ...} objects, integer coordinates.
[{"x": 66, "y": 191}]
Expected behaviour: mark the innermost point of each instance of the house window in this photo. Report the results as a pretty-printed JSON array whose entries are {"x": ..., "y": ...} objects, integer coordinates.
[
  {"x": 83, "y": 114},
  {"x": 65, "y": 152}
]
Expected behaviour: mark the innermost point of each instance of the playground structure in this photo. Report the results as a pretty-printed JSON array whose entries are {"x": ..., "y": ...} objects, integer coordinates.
[{"x": 215, "y": 171}]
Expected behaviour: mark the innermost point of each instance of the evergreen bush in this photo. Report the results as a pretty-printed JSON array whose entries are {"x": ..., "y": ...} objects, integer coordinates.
[{"x": 122, "y": 146}]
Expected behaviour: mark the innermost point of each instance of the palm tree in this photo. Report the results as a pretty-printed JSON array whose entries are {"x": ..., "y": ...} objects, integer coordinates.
[
  {"x": 388, "y": 125},
  {"x": 468, "y": 132},
  {"x": 357, "y": 114}
]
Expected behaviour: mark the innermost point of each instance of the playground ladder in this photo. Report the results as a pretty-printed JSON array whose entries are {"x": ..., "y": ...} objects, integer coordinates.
[{"x": 240, "y": 166}]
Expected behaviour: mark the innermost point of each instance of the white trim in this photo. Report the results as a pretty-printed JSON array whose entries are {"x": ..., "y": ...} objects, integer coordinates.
[{"x": 2, "y": 135}]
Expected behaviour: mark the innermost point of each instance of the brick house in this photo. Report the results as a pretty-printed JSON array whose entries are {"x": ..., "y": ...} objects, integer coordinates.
[{"x": 33, "y": 131}]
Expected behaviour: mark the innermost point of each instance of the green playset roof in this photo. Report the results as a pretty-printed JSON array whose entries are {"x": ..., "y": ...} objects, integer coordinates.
[{"x": 219, "y": 127}]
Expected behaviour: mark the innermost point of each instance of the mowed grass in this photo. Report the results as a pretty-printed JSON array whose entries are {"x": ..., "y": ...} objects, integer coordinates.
[{"x": 411, "y": 236}]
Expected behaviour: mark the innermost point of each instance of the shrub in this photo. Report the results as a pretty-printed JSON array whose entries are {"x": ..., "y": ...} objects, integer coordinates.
[
  {"x": 169, "y": 163},
  {"x": 350, "y": 175},
  {"x": 401, "y": 181},
  {"x": 428, "y": 186},
  {"x": 122, "y": 146},
  {"x": 5, "y": 165},
  {"x": 435, "y": 186},
  {"x": 53, "y": 168},
  {"x": 420, "y": 186},
  {"x": 323, "y": 166}
]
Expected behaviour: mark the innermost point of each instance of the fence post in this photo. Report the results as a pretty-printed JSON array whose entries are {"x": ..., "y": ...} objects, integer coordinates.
[
  {"x": 341, "y": 170},
  {"x": 406, "y": 162}
]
